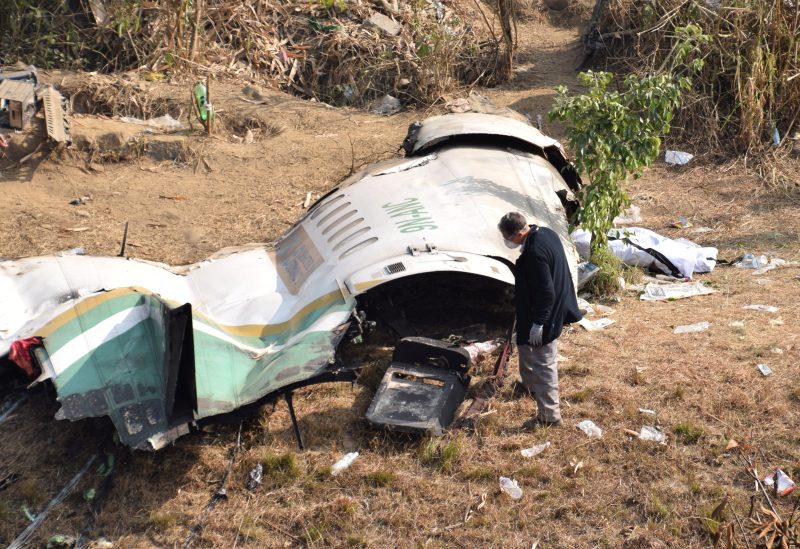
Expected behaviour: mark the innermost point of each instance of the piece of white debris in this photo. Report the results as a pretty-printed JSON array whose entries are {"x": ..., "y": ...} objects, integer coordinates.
[
  {"x": 762, "y": 308},
  {"x": 592, "y": 431},
  {"x": 677, "y": 158},
  {"x": 691, "y": 328},
  {"x": 595, "y": 325},
  {"x": 651, "y": 433}
]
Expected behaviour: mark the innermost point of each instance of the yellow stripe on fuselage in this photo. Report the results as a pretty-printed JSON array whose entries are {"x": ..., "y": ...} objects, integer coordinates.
[{"x": 243, "y": 330}]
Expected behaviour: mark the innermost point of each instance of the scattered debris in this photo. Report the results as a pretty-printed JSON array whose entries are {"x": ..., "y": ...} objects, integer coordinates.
[
  {"x": 691, "y": 328},
  {"x": 346, "y": 461},
  {"x": 700, "y": 230},
  {"x": 760, "y": 264},
  {"x": 731, "y": 445},
  {"x": 592, "y": 431},
  {"x": 782, "y": 483},
  {"x": 510, "y": 487},
  {"x": 535, "y": 450},
  {"x": 386, "y": 105},
  {"x": 774, "y": 263},
  {"x": 762, "y": 308},
  {"x": 586, "y": 272},
  {"x": 764, "y": 369},
  {"x": 479, "y": 348},
  {"x": 682, "y": 223},
  {"x": 651, "y": 433},
  {"x": 630, "y": 216},
  {"x": 776, "y": 322},
  {"x": 677, "y": 158},
  {"x": 751, "y": 261},
  {"x": 387, "y": 25},
  {"x": 736, "y": 324},
  {"x": 647, "y": 411},
  {"x": 669, "y": 292},
  {"x": 595, "y": 325},
  {"x": 165, "y": 123},
  {"x": 254, "y": 477}
]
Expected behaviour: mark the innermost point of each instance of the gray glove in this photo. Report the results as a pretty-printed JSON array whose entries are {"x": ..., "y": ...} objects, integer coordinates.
[{"x": 535, "y": 335}]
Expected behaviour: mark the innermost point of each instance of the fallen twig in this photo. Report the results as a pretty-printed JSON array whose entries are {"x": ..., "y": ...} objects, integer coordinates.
[{"x": 219, "y": 495}]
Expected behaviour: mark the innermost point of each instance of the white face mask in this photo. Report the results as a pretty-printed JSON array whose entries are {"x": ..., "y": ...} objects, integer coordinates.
[{"x": 510, "y": 243}]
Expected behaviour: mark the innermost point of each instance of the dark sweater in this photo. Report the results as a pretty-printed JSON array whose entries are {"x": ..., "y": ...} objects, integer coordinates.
[{"x": 544, "y": 293}]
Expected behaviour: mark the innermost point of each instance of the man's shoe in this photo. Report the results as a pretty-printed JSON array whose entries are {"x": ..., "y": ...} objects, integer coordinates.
[{"x": 536, "y": 423}]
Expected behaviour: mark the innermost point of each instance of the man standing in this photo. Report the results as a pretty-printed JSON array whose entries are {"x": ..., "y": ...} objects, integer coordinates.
[{"x": 545, "y": 301}]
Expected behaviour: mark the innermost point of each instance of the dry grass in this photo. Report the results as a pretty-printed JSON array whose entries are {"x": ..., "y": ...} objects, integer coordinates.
[
  {"x": 612, "y": 492},
  {"x": 617, "y": 491},
  {"x": 748, "y": 86},
  {"x": 318, "y": 49}
]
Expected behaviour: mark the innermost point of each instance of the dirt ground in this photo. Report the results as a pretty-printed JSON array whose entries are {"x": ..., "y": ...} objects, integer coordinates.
[{"x": 616, "y": 491}]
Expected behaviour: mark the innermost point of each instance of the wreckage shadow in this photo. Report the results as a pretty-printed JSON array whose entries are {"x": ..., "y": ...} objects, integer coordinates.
[
  {"x": 12, "y": 170},
  {"x": 345, "y": 428}
]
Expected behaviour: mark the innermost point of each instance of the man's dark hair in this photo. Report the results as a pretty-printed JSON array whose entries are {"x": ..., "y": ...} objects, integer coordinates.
[{"x": 512, "y": 223}]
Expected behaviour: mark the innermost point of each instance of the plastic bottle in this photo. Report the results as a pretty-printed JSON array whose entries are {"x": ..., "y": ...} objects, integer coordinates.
[
  {"x": 535, "y": 450},
  {"x": 343, "y": 463},
  {"x": 510, "y": 487}
]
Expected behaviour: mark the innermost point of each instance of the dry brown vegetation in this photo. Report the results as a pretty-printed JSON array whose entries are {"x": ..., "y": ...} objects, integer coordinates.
[
  {"x": 750, "y": 84},
  {"x": 404, "y": 491},
  {"x": 321, "y": 49}
]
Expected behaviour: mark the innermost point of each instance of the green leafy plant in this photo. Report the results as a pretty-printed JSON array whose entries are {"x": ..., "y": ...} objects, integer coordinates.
[{"x": 616, "y": 133}]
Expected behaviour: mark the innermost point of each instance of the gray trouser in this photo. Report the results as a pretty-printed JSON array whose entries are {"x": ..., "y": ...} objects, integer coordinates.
[{"x": 539, "y": 372}]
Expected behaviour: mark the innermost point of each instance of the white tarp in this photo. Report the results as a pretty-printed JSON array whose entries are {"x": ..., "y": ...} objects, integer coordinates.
[{"x": 630, "y": 245}]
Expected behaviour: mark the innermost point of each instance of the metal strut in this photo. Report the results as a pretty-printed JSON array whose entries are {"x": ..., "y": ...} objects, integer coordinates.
[{"x": 295, "y": 426}]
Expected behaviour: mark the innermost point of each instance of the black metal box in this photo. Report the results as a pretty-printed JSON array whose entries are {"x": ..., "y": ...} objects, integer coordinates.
[{"x": 422, "y": 388}]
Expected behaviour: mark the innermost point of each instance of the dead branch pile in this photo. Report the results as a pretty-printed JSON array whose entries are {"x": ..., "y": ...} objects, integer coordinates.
[
  {"x": 750, "y": 84},
  {"x": 323, "y": 49}
]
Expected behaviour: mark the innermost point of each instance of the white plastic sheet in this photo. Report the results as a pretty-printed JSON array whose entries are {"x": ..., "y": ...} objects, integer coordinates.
[
  {"x": 687, "y": 257},
  {"x": 679, "y": 290}
]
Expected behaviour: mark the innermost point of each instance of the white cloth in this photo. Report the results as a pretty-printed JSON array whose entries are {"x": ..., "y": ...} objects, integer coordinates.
[{"x": 685, "y": 255}]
